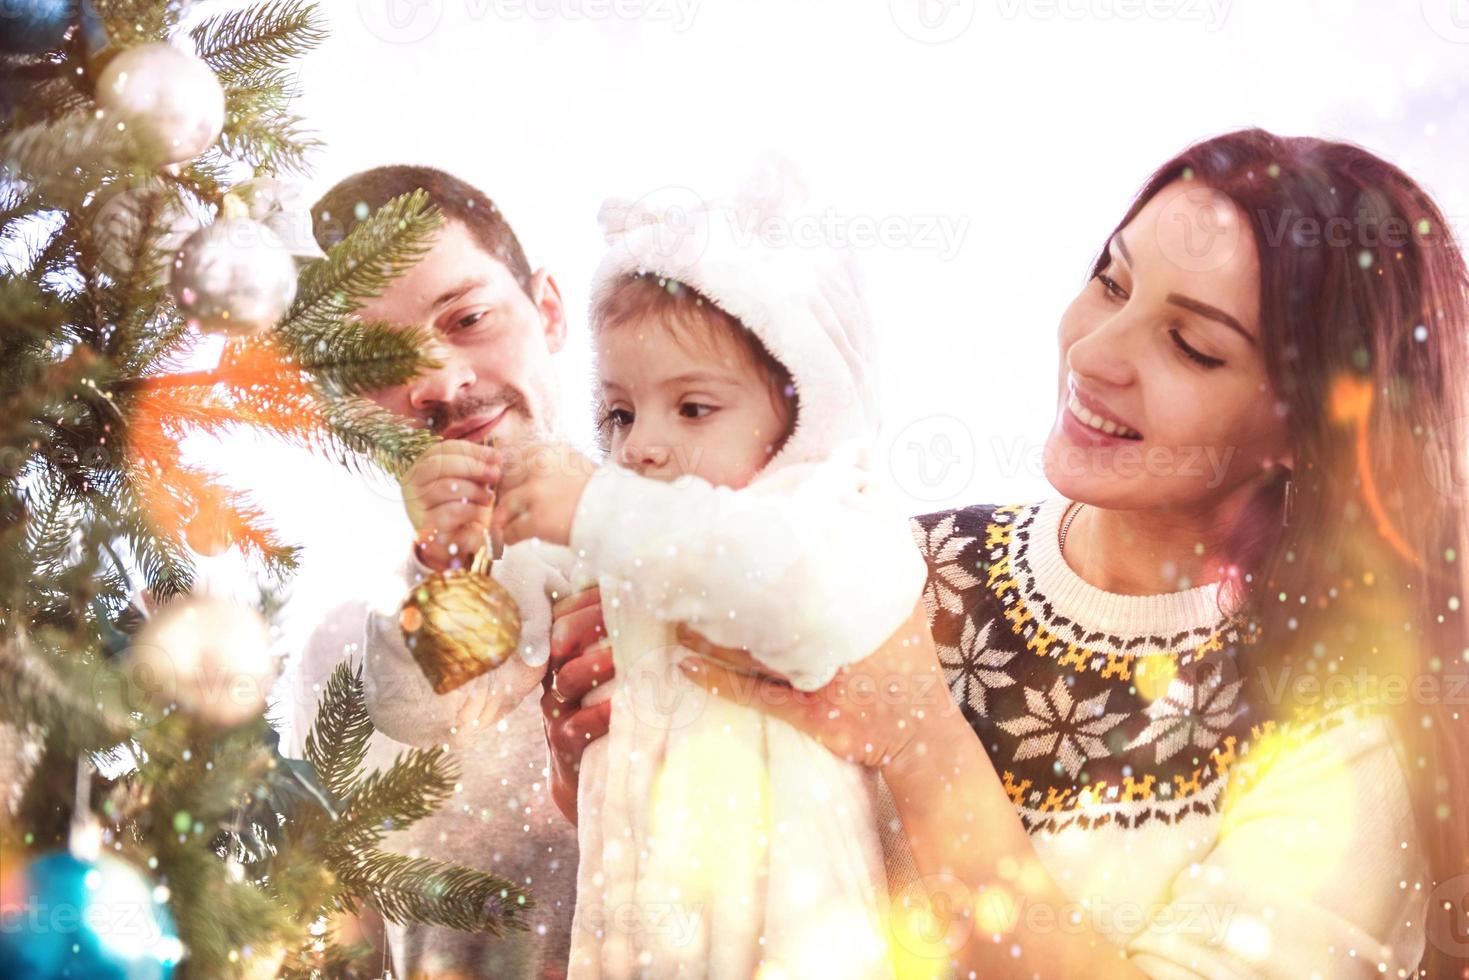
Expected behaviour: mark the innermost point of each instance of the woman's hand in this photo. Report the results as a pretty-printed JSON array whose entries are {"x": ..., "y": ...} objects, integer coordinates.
[
  {"x": 872, "y": 712},
  {"x": 581, "y": 659}
]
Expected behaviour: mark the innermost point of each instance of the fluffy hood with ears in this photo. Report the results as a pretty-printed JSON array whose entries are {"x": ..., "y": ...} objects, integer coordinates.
[{"x": 757, "y": 257}]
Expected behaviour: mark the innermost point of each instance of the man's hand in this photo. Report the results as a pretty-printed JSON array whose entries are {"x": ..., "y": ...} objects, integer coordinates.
[
  {"x": 449, "y": 492},
  {"x": 539, "y": 492},
  {"x": 581, "y": 659}
]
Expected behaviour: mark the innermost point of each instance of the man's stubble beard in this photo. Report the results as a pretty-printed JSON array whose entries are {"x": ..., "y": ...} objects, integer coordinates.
[{"x": 532, "y": 427}]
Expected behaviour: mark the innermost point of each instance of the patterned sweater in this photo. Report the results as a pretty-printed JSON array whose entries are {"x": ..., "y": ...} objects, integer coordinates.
[{"x": 1206, "y": 839}]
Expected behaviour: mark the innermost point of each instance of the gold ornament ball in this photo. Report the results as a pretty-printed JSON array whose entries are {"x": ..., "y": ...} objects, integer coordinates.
[
  {"x": 458, "y": 625},
  {"x": 209, "y": 655}
]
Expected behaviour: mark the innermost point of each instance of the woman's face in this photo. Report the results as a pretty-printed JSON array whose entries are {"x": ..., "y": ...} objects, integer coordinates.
[{"x": 1164, "y": 400}]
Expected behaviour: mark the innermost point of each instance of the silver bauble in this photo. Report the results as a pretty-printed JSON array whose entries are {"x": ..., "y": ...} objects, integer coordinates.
[
  {"x": 284, "y": 208},
  {"x": 234, "y": 277},
  {"x": 170, "y": 99}
]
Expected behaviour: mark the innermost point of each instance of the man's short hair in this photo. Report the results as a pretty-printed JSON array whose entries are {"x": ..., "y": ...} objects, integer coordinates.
[{"x": 354, "y": 198}]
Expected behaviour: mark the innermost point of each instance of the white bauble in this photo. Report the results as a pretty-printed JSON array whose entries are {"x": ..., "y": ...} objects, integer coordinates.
[
  {"x": 118, "y": 220},
  {"x": 234, "y": 277},
  {"x": 209, "y": 655},
  {"x": 170, "y": 99},
  {"x": 284, "y": 208}
]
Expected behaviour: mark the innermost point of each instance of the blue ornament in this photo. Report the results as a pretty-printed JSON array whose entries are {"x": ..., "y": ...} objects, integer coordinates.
[
  {"x": 33, "y": 26},
  {"x": 85, "y": 920}
]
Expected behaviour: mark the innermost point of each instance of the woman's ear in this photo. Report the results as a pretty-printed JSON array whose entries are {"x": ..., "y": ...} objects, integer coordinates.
[{"x": 547, "y": 296}]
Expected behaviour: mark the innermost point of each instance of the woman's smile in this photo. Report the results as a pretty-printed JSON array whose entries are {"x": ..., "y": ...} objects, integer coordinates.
[{"x": 1088, "y": 422}]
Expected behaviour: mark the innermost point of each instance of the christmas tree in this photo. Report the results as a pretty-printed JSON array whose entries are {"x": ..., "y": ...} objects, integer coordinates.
[{"x": 148, "y": 825}]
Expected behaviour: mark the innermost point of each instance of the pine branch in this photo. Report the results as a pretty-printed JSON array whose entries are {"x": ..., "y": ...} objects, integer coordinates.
[
  {"x": 253, "y": 39},
  {"x": 412, "y": 788},
  {"x": 35, "y": 403},
  {"x": 29, "y": 316},
  {"x": 355, "y": 358},
  {"x": 59, "y": 691},
  {"x": 206, "y": 178},
  {"x": 406, "y": 889},
  {"x": 364, "y": 430},
  {"x": 390, "y": 241},
  {"x": 52, "y": 520},
  {"x": 338, "y": 740},
  {"x": 161, "y": 336},
  {"x": 137, "y": 21},
  {"x": 229, "y": 515},
  {"x": 63, "y": 158},
  {"x": 272, "y": 142},
  {"x": 129, "y": 505}
]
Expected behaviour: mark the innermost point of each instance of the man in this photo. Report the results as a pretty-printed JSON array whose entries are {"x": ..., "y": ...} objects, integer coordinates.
[{"x": 495, "y": 324}]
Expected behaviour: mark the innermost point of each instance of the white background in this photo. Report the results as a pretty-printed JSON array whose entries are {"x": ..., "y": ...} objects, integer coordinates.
[{"x": 1018, "y": 129}]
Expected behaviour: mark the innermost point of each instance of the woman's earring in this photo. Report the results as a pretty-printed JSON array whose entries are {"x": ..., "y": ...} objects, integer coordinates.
[{"x": 1290, "y": 502}]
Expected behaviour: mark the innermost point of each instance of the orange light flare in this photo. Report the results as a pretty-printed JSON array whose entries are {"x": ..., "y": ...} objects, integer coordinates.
[
  {"x": 253, "y": 386},
  {"x": 1350, "y": 402}
]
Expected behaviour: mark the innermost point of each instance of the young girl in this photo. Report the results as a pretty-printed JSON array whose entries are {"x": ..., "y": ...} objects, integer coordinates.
[{"x": 738, "y": 405}]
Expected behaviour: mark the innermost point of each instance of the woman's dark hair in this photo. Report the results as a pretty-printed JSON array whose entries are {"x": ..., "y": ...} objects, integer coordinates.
[
  {"x": 353, "y": 198},
  {"x": 1365, "y": 333}
]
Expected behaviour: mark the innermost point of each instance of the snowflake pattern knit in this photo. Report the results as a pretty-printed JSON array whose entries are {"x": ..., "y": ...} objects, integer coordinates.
[{"x": 1095, "y": 707}]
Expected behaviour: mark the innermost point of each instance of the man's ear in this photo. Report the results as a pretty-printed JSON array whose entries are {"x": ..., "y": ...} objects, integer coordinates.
[{"x": 547, "y": 296}]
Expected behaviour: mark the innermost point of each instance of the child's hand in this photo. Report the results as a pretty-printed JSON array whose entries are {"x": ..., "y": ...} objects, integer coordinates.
[
  {"x": 539, "y": 492},
  {"x": 448, "y": 493}
]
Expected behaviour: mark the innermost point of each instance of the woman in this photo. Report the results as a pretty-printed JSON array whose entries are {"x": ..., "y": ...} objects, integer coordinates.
[{"x": 1215, "y": 688}]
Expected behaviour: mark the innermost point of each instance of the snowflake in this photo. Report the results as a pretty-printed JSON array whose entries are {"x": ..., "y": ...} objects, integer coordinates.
[
  {"x": 1194, "y": 714},
  {"x": 1057, "y": 723},
  {"x": 948, "y": 579},
  {"x": 973, "y": 669}
]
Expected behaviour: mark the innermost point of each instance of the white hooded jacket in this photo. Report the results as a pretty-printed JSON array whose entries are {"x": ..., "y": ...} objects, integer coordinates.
[{"x": 715, "y": 839}]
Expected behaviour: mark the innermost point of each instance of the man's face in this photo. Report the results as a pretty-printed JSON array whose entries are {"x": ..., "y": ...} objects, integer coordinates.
[{"x": 493, "y": 343}]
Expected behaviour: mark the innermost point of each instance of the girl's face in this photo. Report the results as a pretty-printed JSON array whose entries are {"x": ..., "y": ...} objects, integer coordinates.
[
  {"x": 1164, "y": 401},
  {"x": 670, "y": 410}
]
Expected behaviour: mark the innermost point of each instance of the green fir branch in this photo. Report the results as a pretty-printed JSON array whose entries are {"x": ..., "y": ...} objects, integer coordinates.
[
  {"x": 271, "y": 141},
  {"x": 403, "y": 794},
  {"x": 406, "y": 889},
  {"x": 338, "y": 740},
  {"x": 167, "y": 569},
  {"x": 355, "y": 358},
  {"x": 61, "y": 159},
  {"x": 259, "y": 38},
  {"x": 129, "y": 22},
  {"x": 382, "y": 247},
  {"x": 359, "y": 429}
]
